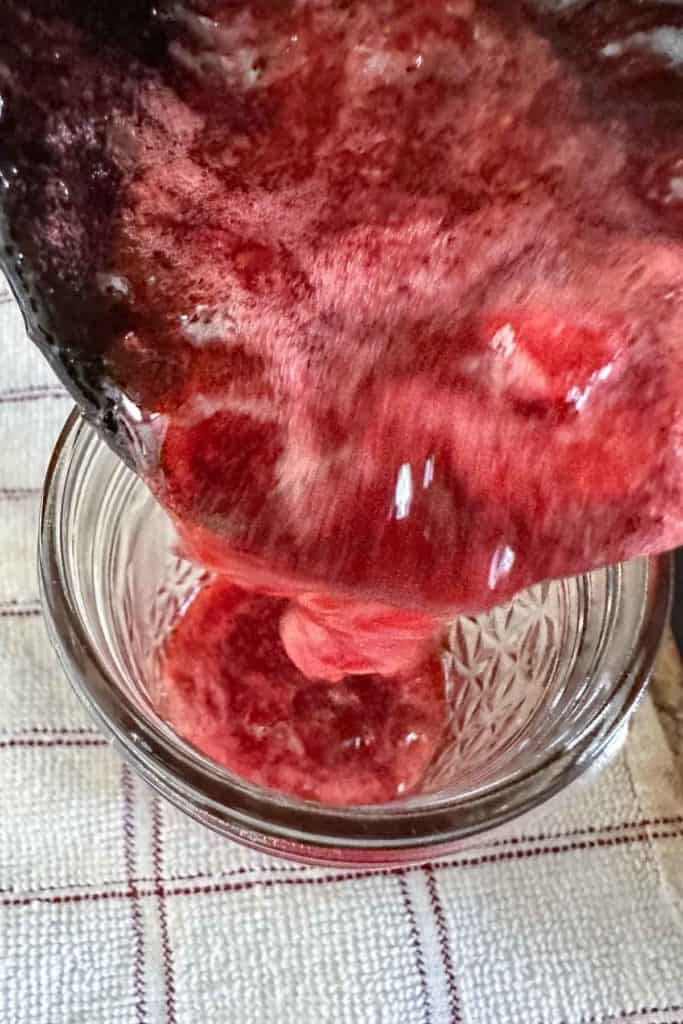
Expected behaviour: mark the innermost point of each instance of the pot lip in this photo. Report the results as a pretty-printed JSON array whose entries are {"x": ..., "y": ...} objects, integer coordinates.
[{"x": 264, "y": 818}]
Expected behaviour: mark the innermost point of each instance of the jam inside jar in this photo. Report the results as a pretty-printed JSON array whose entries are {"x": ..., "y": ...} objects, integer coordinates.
[
  {"x": 228, "y": 686},
  {"x": 386, "y": 341}
]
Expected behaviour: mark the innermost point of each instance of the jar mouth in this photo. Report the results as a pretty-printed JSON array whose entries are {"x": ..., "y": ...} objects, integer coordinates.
[{"x": 405, "y": 830}]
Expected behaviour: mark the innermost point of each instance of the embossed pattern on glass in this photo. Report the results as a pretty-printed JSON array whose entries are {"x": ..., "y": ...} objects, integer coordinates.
[{"x": 538, "y": 688}]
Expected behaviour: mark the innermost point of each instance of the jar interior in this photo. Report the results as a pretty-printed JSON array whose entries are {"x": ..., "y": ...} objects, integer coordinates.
[{"x": 524, "y": 681}]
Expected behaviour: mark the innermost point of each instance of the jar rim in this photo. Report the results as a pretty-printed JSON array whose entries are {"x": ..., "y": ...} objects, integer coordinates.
[{"x": 276, "y": 823}]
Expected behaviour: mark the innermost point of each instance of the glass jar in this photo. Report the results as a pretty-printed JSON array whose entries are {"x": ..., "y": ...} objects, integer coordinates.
[{"x": 548, "y": 681}]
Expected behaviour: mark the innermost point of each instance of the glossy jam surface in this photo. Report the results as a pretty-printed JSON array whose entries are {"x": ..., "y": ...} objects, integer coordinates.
[
  {"x": 228, "y": 686},
  {"x": 383, "y": 298},
  {"x": 413, "y": 336},
  {"x": 373, "y": 314}
]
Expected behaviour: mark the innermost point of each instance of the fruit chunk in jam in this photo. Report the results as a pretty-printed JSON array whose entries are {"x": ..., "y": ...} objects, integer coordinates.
[{"x": 228, "y": 686}]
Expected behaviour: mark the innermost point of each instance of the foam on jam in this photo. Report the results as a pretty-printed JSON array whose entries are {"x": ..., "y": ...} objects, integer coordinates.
[
  {"x": 420, "y": 338},
  {"x": 384, "y": 299},
  {"x": 361, "y": 312},
  {"x": 228, "y": 686}
]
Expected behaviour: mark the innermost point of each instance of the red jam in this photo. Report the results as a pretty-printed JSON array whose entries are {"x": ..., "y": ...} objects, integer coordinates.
[
  {"x": 385, "y": 301},
  {"x": 229, "y": 687},
  {"x": 407, "y": 338}
]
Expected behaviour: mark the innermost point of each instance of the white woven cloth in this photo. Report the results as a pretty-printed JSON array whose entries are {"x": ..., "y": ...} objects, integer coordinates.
[{"x": 114, "y": 908}]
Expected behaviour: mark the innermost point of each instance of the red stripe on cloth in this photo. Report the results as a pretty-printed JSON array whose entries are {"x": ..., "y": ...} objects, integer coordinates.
[
  {"x": 20, "y": 609},
  {"x": 444, "y": 945},
  {"x": 160, "y": 891},
  {"x": 19, "y": 493},
  {"x": 33, "y": 393},
  {"x": 141, "y": 881},
  {"x": 417, "y": 946},
  {"x": 66, "y": 898},
  {"x": 216, "y": 888},
  {"x": 573, "y": 847},
  {"x": 224, "y": 887},
  {"x": 136, "y": 910},
  {"x": 589, "y": 830},
  {"x": 39, "y": 742},
  {"x": 48, "y": 730},
  {"x": 630, "y": 1014},
  {"x": 288, "y": 869}
]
